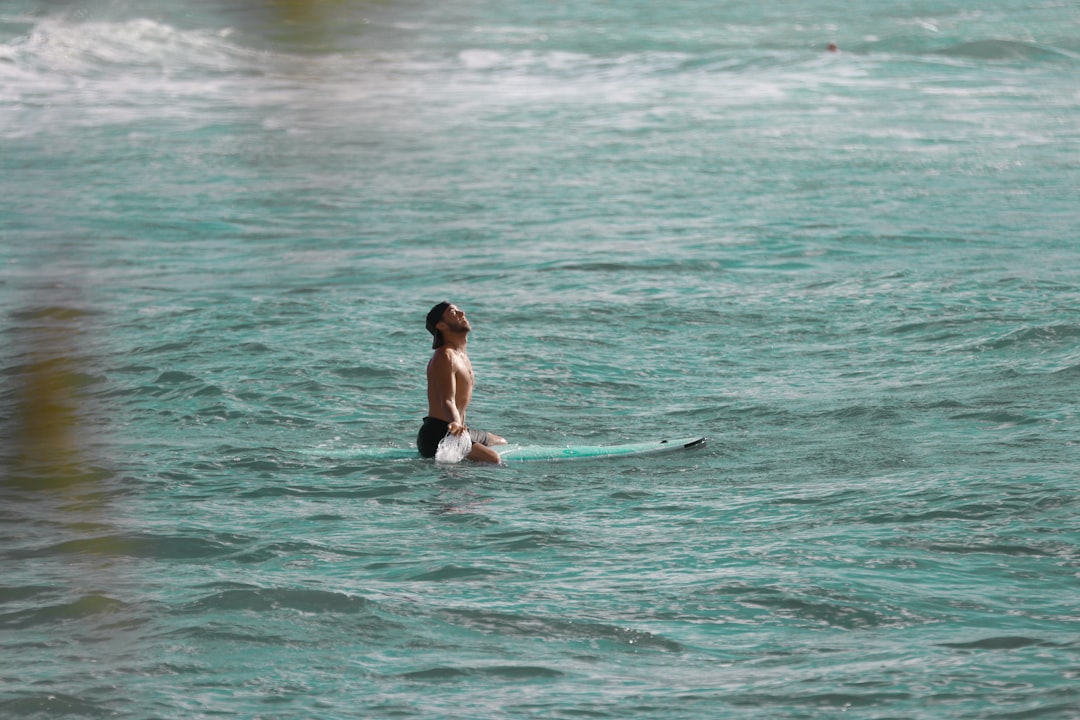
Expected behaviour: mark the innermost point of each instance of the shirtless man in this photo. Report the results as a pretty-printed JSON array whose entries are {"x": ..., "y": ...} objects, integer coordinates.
[{"x": 450, "y": 384}]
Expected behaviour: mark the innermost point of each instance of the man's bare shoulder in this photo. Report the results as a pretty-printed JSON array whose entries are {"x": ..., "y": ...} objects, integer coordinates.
[{"x": 444, "y": 357}]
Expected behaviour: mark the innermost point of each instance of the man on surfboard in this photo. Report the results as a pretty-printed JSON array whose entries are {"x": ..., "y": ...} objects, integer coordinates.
[{"x": 450, "y": 385}]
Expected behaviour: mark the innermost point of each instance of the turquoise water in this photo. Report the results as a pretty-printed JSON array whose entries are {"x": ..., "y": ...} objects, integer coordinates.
[{"x": 222, "y": 225}]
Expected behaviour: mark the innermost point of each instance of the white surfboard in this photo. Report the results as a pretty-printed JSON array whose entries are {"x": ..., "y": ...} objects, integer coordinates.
[
  {"x": 526, "y": 453},
  {"x": 513, "y": 453}
]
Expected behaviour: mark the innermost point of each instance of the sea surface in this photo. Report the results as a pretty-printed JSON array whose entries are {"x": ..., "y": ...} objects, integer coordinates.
[{"x": 857, "y": 272}]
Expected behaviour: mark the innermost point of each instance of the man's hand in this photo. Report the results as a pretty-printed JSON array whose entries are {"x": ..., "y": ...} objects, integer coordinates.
[{"x": 456, "y": 428}]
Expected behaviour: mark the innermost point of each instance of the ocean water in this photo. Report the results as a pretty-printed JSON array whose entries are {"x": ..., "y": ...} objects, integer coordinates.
[{"x": 222, "y": 223}]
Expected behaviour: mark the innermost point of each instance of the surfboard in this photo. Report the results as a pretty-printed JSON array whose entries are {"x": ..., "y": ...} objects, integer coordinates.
[
  {"x": 512, "y": 453},
  {"x": 524, "y": 453}
]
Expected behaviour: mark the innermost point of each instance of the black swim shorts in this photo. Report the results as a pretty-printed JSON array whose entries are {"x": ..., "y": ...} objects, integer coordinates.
[{"x": 433, "y": 430}]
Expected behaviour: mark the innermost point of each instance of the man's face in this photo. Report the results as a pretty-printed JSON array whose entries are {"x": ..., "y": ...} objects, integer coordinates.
[{"x": 455, "y": 319}]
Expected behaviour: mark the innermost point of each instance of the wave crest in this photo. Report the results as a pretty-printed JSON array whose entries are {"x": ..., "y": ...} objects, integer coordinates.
[{"x": 82, "y": 49}]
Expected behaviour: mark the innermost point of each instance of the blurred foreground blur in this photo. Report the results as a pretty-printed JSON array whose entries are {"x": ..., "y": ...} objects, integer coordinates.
[{"x": 41, "y": 434}]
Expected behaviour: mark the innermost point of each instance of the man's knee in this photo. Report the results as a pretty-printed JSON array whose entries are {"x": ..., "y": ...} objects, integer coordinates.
[{"x": 482, "y": 453}]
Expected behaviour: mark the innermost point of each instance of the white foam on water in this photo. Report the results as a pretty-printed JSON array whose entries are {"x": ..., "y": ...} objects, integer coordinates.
[{"x": 453, "y": 448}]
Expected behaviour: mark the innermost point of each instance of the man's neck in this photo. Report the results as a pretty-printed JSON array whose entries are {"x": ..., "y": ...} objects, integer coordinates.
[{"x": 456, "y": 343}]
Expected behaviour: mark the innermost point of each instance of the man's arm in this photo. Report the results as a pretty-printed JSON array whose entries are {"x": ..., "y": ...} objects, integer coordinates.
[{"x": 442, "y": 376}]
